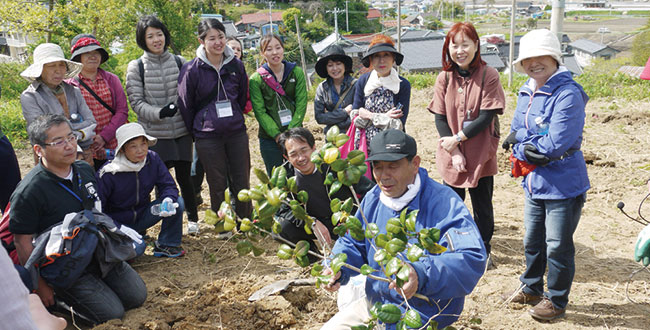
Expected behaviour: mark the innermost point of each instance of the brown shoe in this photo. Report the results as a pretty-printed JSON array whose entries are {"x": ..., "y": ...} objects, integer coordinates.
[
  {"x": 521, "y": 297},
  {"x": 546, "y": 311}
]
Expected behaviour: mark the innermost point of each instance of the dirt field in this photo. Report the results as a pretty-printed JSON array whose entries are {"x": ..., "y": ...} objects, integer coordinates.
[{"x": 209, "y": 287}]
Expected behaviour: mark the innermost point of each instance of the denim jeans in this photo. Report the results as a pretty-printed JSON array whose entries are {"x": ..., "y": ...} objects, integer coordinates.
[
  {"x": 103, "y": 299},
  {"x": 197, "y": 173},
  {"x": 550, "y": 225},
  {"x": 171, "y": 230}
]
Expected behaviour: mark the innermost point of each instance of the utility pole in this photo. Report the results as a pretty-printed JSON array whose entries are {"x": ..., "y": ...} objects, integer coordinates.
[
  {"x": 271, "y": 3},
  {"x": 347, "y": 26},
  {"x": 399, "y": 26},
  {"x": 336, "y": 12},
  {"x": 557, "y": 18},
  {"x": 302, "y": 53},
  {"x": 511, "y": 53}
]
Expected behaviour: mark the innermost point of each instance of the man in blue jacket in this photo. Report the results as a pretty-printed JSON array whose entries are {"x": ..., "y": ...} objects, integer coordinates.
[{"x": 445, "y": 278}]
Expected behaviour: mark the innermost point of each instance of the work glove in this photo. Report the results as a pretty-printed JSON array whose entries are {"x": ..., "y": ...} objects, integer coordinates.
[
  {"x": 510, "y": 141},
  {"x": 534, "y": 157},
  {"x": 168, "y": 111},
  {"x": 86, "y": 133},
  {"x": 168, "y": 207},
  {"x": 134, "y": 235},
  {"x": 642, "y": 248}
]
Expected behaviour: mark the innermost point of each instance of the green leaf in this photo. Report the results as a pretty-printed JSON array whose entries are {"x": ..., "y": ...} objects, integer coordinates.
[
  {"x": 393, "y": 225},
  {"x": 337, "y": 262},
  {"x": 303, "y": 196},
  {"x": 403, "y": 273},
  {"x": 372, "y": 230},
  {"x": 257, "y": 251},
  {"x": 261, "y": 175},
  {"x": 336, "y": 186},
  {"x": 339, "y": 165},
  {"x": 335, "y": 205},
  {"x": 316, "y": 269},
  {"x": 357, "y": 234},
  {"x": 433, "y": 325},
  {"x": 434, "y": 233},
  {"x": 381, "y": 240},
  {"x": 336, "y": 217},
  {"x": 412, "y": 319},
  {"x": 358, "y": 327},
  {"x": 340, "y": 230},
  {"x": 475, "y": 320},
  {"x": 395, "y": 246},
  {"x": 353, "y": 223},
  {"x": 301, "y": 249},
  {"x": 414, "y": 253},
  {"x": 302, "y": 261},
  {"x": 393, "y": 266},
  {"x": 365, "y": 269},
  {"x": 244, "y": 247},
  {"x": 380, "y": 255},
  {"x": 389, "y": 313},
  {"x": 402, "y": 215},
  {"x": 374, "y": 310},
  {"x": 285, "y": 252},
  {"x": 347, "y": 205},
  {"x": 436, "y": 249}
]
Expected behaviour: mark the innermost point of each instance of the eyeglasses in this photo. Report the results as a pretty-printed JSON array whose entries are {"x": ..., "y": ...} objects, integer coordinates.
[
  {"x": 58, "y": 144},
  {"x": 305, "y": 151}
]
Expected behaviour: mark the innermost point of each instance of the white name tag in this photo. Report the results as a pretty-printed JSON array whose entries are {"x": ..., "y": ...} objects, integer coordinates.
[
  {"x": 285, "y": 116},
  {"x": 224, "y": 109}
]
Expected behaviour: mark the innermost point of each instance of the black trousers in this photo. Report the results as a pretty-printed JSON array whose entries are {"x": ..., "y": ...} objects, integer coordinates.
[
  {"x": 184, "y": 180},
  {"x": 482, "y": 206},
  {"x": 10, "y": 172}
]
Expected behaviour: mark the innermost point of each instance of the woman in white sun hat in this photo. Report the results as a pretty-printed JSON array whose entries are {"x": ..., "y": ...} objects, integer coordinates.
[
  {"x": 546, "y": 132},
  {"x": 48, "y": 93},
  {"x": 125, "y": 186}
]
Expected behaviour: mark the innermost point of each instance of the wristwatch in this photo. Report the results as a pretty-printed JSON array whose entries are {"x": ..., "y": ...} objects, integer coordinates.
[{"x": 458, "y": 138}]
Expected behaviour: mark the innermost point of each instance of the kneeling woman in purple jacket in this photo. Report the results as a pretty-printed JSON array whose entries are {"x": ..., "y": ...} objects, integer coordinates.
[{"x": 125, "y": 185}]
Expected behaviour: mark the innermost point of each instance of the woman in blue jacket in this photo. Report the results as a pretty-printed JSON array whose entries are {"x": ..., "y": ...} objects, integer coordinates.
[
  {"x": 212, "y": 95},
  {"x": 546, "y": 132},
  {"x": 125, "y": 185}
]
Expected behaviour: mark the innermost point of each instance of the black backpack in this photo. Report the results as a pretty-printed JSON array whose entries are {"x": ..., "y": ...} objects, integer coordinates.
[{"x": 179, "y": 63}]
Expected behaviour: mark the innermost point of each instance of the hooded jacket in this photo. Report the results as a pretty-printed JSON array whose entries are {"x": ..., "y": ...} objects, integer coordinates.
[
  {"x": 195, "y": 83},
  {"x": 446, "y": 278},
  {"x": 560, "y": 103},
  {"x": 160, "y": 83},
  {"x": 126, "y": 195},
  {"x": 265, "y": 100}
]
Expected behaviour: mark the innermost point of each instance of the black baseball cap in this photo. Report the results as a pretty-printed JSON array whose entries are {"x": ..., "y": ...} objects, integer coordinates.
[{"x": 392, "y": 145}]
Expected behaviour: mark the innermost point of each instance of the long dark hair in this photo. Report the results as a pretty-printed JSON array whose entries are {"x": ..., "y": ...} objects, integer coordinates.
[
  {"x": 141, "y": 29},
  {"x": 266, "y": 40},
  {"x": 469, "y": 31}
]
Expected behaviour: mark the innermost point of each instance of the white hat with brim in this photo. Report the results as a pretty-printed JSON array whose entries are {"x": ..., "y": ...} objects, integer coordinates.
[
  {"x": 130, "y": 131},
  {"x": 537, "y": 43},
  {"x": 49, "y": 53}
]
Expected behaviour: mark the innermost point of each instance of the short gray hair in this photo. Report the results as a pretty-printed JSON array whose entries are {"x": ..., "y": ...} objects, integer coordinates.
[{"x": 37, "y": 130}]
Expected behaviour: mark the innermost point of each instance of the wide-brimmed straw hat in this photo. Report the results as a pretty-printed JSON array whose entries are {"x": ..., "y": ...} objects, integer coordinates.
[
  {"x": 378, "y": 48},
  {"x": 49, "y": 53},
  {"x": 130, "y": 131},
  {"x": 85, "y": 43},
  {"x": 536, "y": 43},
  {"x": 333, "y": 53}
]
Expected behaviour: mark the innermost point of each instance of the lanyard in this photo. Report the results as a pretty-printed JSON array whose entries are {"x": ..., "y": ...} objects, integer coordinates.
[{"x": 70, "y": 190}]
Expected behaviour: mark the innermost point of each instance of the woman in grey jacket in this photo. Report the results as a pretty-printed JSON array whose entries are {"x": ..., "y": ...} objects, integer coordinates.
[
  {"x": 151, "y": 86},
  {"x": 334, "y": 96}
]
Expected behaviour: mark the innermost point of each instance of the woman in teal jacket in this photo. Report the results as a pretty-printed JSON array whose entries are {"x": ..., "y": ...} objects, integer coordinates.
[
  {"x": 278, "y": 104},
  {"x": 546, "y": 131}
]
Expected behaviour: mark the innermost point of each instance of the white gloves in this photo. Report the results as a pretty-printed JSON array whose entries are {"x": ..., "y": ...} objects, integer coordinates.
[
  {"x": 134, "y": 235},
  {"x": 86, "y": 133},
  {"x": 168, "y": 207}
]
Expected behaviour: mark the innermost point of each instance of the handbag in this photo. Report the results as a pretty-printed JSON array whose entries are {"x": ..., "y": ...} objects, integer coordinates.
[{"x": 363, "y": 144}]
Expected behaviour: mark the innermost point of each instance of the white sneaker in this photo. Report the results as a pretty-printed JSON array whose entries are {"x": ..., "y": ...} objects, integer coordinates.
[{"x": 192, "y": 228}]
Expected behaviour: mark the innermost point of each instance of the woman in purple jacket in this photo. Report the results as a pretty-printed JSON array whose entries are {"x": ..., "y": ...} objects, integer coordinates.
[
  {"x": 212, "y": 94},
  {"x": 102, "y": 91},
  {"x": 137, "y": 169}
]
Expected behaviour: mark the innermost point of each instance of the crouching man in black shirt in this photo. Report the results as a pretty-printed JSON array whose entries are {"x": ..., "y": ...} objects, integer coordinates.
[
  {"x": 297, "y": 146},
  {"x": 59, "y": 185}
]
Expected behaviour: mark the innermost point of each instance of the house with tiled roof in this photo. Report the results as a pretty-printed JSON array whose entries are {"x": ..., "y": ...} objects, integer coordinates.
[
  {"x": 249, "y": 21},
  {"x": 586, "y": 50},
  {"x": 373, "y": 14}
]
